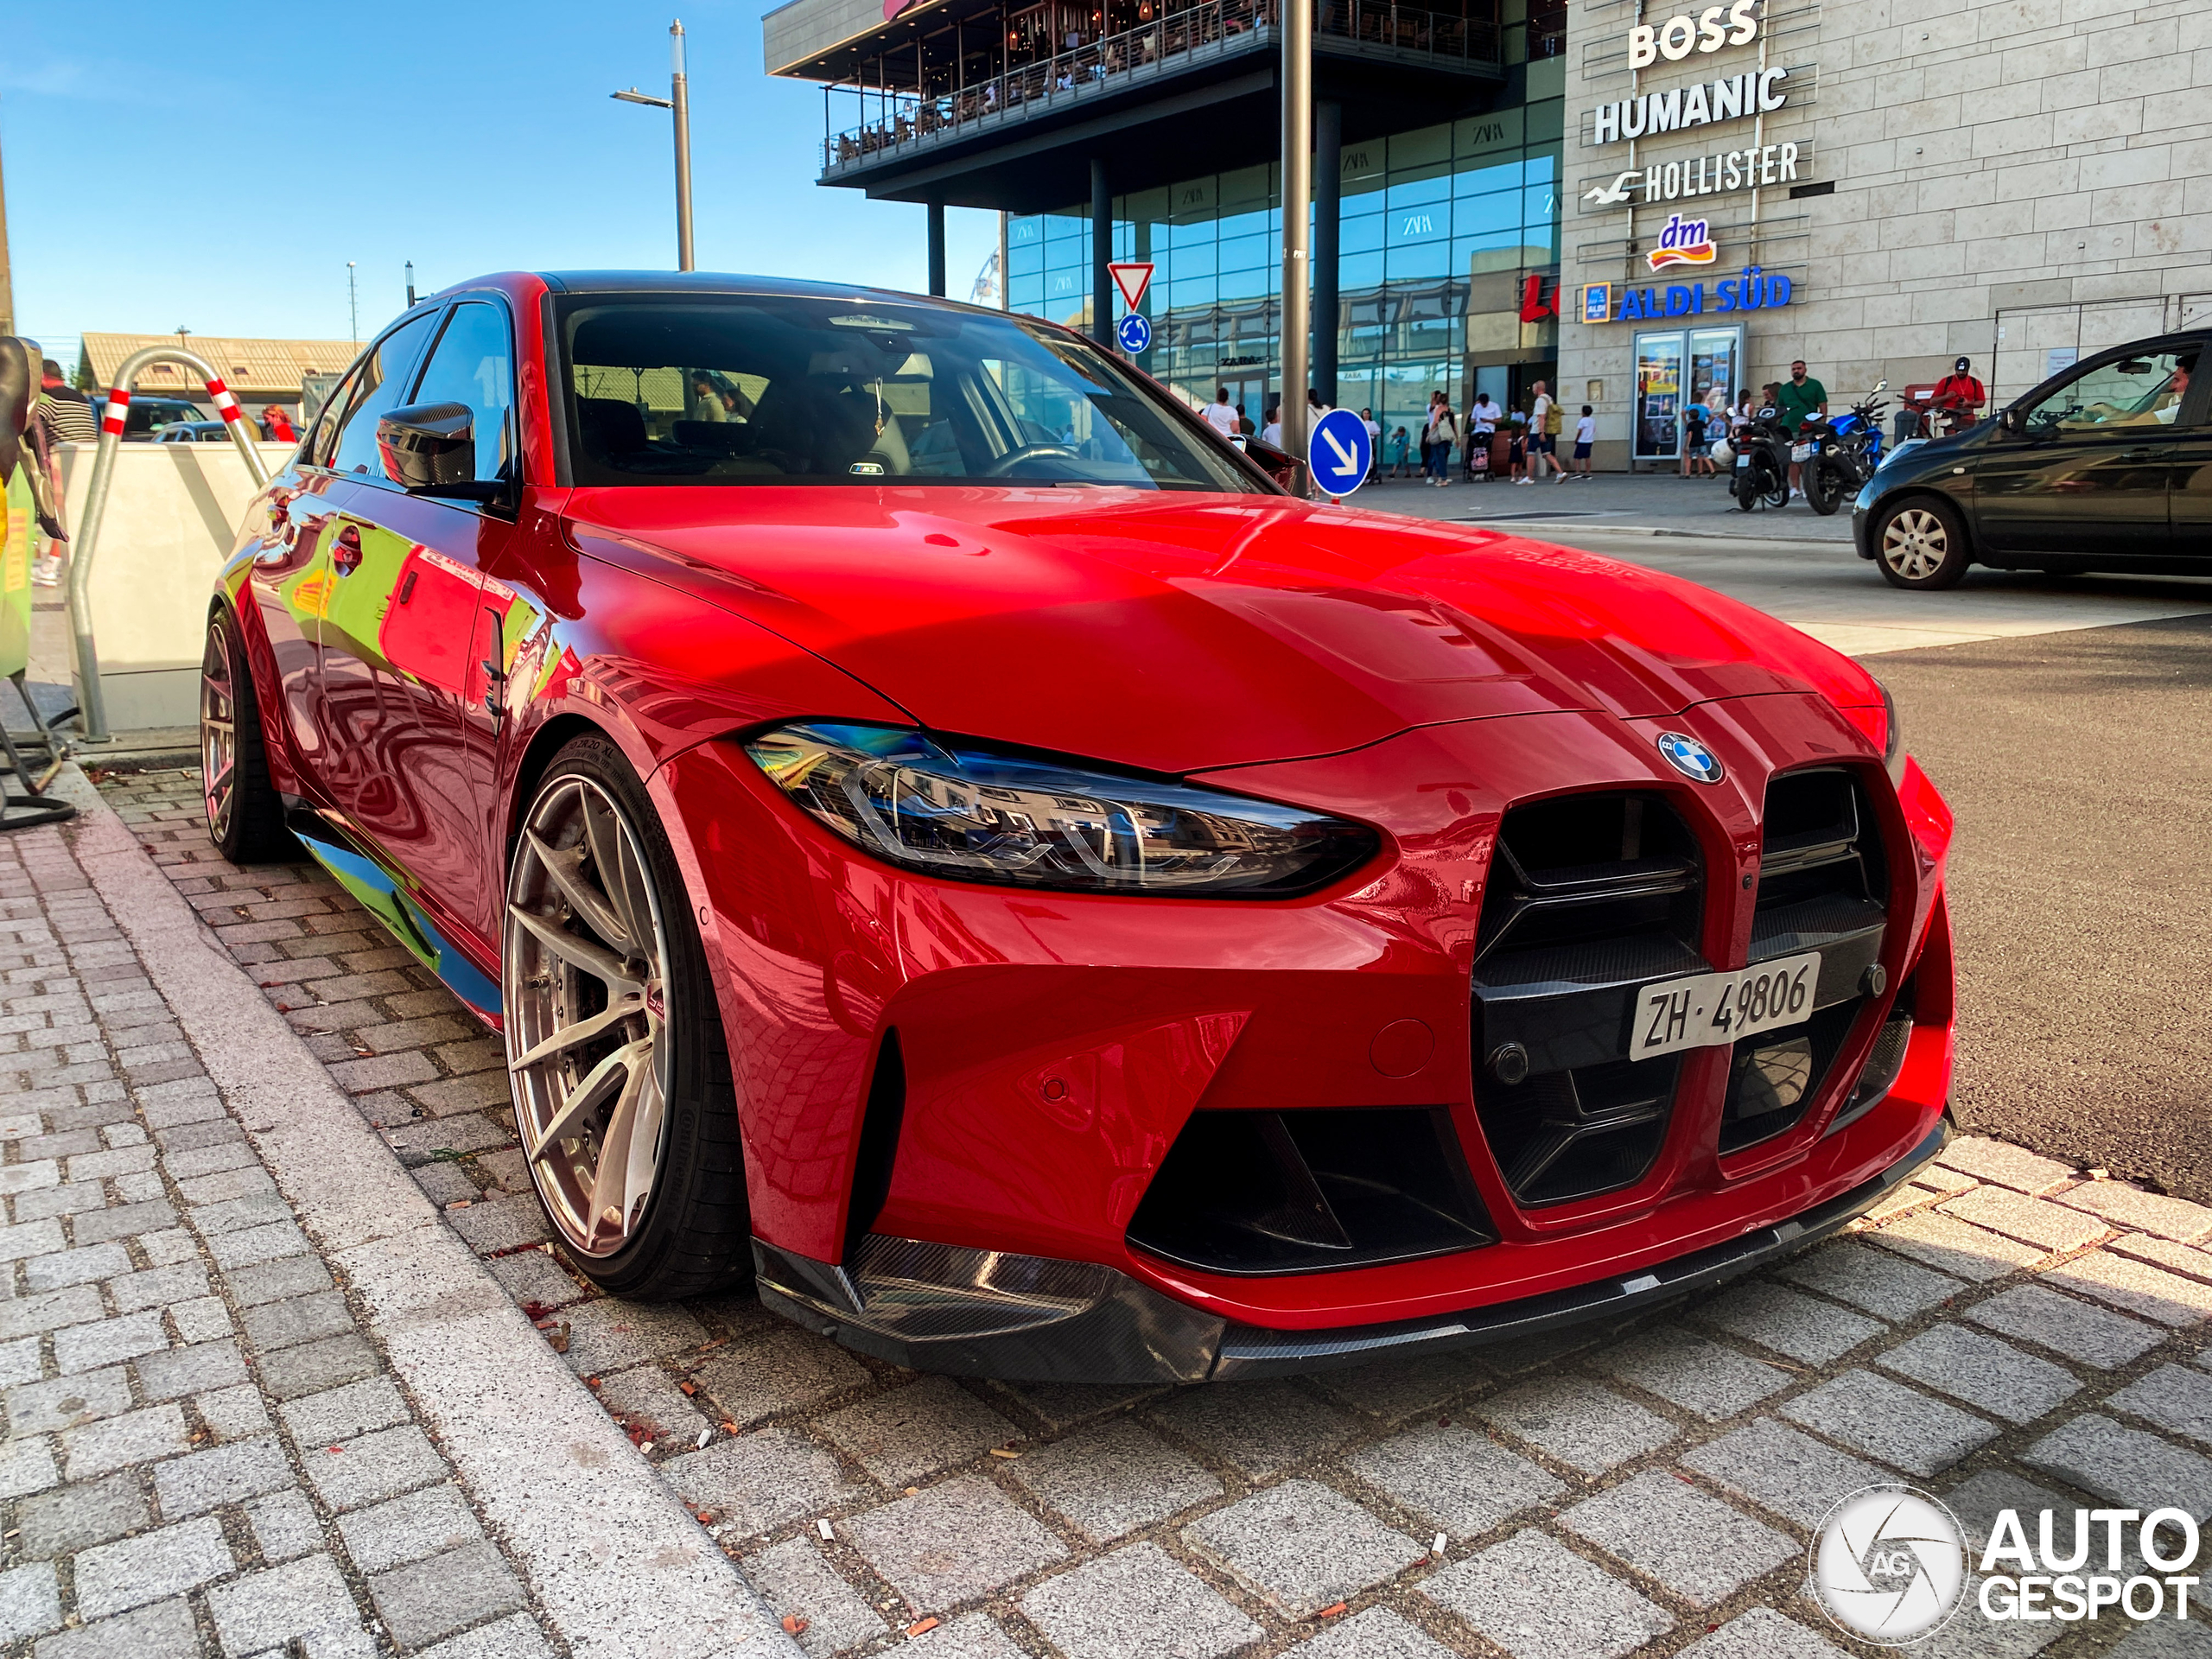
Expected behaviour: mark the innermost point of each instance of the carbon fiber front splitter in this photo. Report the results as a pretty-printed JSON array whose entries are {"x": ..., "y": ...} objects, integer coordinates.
[{"x": 970, "y": 1313}]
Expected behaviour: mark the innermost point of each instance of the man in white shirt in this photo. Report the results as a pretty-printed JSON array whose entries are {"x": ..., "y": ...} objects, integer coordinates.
[
  {"x": 1221, "y": 415},
  {"x": 1540, "y": 446},
  {"x": 1271, "y": 431}
]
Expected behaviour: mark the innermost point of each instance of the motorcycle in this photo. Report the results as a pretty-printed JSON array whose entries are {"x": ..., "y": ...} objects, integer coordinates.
[
  {"x": 1763, "y": 461},
  {"x": 1843, "y": 452}
]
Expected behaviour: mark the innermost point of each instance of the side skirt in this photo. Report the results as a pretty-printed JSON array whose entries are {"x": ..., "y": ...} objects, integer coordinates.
[{"x": 379, "y": 892}]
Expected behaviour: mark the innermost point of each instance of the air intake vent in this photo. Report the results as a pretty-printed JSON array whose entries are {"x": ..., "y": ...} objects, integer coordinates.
[
  {"x": 1590, "y": 897},
  {"x": 1311, "y": 1192},
  {"x": 1823, "y": 887}
]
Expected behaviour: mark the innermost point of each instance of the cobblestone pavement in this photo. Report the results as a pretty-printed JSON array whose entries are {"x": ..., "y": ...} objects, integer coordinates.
[
  {"x": 204, "y": 1453},
  {"x": 2008, "y": 1330}
]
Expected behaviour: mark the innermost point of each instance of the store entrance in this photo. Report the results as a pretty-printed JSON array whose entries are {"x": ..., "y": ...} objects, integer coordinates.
[{"x": 1249, "y": 392}]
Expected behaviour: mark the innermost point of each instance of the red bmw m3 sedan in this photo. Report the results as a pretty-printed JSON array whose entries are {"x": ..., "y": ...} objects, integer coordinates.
[{"x": 947, "y": 839}]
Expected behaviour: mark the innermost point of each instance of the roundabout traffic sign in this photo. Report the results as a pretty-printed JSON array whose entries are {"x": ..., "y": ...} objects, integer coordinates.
[
  {"x": 1135, "y": 333},
  {"x": 1339, "y": 452}
]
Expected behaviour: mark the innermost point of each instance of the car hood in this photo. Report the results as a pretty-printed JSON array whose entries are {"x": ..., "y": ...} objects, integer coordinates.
[{"x": 1183, "y": 633}]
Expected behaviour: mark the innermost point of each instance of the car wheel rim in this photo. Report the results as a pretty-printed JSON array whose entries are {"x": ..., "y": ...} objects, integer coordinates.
[
  {"x": 584, "y": 962},
  {"x": 1914, "y": 543},
  {"x": 218, "y": 733}
]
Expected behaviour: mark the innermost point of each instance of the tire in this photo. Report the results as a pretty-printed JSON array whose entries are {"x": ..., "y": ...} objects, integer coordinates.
[
  {"x": 598, "y": 920},
  {"x": 1745, "y": 486},
  {"x": 1920, "y": 543},
  {"x": 1826, "y": 484},
  {"x": 245, "y": 816}
]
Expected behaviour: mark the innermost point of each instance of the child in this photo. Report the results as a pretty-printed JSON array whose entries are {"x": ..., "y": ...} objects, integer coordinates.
[
  {"x": 1399, "y": 459},
  {"x": 1516, "y": 450},
  {"x": 1585, "y": 433}
]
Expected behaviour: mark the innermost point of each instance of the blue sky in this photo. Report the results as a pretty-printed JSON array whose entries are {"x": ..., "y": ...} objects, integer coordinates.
[{"x": 216, "y": 165}]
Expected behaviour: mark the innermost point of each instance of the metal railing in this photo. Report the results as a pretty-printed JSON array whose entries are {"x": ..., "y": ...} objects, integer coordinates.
[
  {"x": 1209, "y": 29},
  {"x": 92, "y": 701}
]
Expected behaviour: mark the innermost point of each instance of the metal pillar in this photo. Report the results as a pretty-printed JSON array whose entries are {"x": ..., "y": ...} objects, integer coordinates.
[
  {"x": 680, "y": 97},
  {"x": 1297, "y": 207},
  {"x": 937, "y": 248},
  {"x": 1101, "y": 254},
  {"x": 1328, "y": 193}
]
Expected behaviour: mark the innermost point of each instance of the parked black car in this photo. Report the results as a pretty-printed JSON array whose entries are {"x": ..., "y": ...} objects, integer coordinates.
[{"x": 2105, "y": 467}]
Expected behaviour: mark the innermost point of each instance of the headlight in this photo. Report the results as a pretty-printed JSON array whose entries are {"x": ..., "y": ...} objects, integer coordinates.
[{"x": 952, "y": 808}]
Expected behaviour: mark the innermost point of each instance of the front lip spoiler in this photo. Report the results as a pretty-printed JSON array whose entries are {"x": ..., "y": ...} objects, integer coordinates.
[{"x": 970, "y": 1313}]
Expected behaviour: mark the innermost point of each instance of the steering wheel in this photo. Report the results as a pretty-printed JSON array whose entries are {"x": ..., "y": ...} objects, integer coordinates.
[{"x": 1005, "y": 463}]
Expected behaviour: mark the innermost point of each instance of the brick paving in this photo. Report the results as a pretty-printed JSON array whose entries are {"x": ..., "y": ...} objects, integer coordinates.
[
  {"x": 2007, "y": 1330},
  {"x": 204, "y": 1454}
]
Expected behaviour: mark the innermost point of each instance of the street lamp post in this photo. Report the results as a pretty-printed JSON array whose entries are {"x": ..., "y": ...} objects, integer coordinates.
[
  {"x": 678, "y": 102},
  {"x": 1297, "y": 199}
]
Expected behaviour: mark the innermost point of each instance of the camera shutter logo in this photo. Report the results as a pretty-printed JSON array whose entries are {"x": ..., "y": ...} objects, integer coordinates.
[{"x": 1888, "y": 1565}]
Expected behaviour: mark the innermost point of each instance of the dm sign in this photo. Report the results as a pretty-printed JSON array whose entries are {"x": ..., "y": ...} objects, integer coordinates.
[{"x": 1684, "y": 242}]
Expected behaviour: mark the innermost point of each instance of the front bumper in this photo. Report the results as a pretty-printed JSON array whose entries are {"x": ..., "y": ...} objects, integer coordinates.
[{"x": 940, "y": 1307}]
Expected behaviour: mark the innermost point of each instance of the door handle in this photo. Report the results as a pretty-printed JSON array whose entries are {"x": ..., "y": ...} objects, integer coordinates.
[{"x": 345, "y": 550}]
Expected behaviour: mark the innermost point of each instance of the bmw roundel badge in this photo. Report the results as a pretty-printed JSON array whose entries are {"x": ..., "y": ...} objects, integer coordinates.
[{"x": 1691, "y": 758}]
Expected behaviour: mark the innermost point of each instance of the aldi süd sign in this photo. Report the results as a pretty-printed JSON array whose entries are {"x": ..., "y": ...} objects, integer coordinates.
[{"x": 1755, "y": 291}]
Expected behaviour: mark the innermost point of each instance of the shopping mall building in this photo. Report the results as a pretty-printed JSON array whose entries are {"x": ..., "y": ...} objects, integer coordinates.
[{"x": 1632, "y": 199}]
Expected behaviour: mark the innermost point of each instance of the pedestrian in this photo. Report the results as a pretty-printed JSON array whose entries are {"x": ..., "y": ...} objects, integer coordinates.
[
  {"x": 1374, "y": 443},
  {"x": 1540, "y": 420},
  {"x": 1443, "y": 434},
  {"x": 276, "y": 426},
  {"x": 1694, "y": 442},
  {"x": 1585, "y": 433},
  {"x": 64, "y": 414},
  {"x": 1482, "y": 426},
  {"x": 707, "y": 398},
  {"x": 1516, "y": 448},
  {"x": 1400, "y": 443},
  {"x": 1427, "y": 420},
  {"x": 1802, "y": 396},
  {"x": 1271, "y": 433},
  {"x": 1221, "y": 414},
  {"x": 1315, "y": 409}
]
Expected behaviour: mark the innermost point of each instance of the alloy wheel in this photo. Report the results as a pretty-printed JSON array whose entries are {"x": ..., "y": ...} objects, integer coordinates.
[
  {"x": 584, "y": 962},
  {"x": 218, "y": 731},
  {"x": 1914, "y": 543}
]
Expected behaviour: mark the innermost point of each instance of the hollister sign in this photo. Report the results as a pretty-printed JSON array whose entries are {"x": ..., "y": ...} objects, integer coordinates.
[
  {"x": 1700, "y": 175},
  {"x": 1678, "y": 108}
]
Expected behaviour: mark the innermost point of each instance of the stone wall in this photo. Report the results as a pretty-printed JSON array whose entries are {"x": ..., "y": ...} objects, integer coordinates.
[{"x": 2010, "y": 176}]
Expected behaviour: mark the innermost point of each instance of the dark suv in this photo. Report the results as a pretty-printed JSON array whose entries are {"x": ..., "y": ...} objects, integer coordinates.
[{"x": 2105, "y": 467}]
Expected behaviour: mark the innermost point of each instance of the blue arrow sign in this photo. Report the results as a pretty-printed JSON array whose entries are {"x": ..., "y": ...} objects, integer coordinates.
[
  {"x": 1134, "y": 334},
  {"x": 1339, "y": 452}
]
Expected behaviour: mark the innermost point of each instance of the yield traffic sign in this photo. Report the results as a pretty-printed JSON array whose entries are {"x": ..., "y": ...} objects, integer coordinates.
[
  {"x": 1132, "y": 279},
  {"x": 1339, "y": 452}
]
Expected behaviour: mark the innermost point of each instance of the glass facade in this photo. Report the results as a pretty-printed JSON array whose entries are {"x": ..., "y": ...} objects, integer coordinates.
[{"x": 1440, "y": 229}]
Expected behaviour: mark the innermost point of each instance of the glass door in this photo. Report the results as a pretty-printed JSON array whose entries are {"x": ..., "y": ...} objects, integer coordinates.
[
  {"x": 1660, "y": 370},
  {"x": 1717, "y": 360}
]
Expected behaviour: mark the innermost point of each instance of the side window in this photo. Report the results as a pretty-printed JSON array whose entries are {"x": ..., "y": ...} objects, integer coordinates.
[
  {"x": 473, "y": 364},
  {"x": 2132, "y": 391},
  {"x": 324, "y": 438},
  {"x": 379, "y": 385}
]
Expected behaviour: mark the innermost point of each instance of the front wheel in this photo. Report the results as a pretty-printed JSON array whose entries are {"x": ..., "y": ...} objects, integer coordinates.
[
  {"x": 1920, "y": 544},
  {"x": 615, "y": 1051}
]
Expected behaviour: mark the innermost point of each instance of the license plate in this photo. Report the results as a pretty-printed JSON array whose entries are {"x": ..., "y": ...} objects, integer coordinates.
[
  {"x": 1708, "y": 1009},
  {"x": 1743, "y": 460}
]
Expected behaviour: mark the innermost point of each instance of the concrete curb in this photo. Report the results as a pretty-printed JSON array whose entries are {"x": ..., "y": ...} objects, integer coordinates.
[{"x": 617, "y": 1565}]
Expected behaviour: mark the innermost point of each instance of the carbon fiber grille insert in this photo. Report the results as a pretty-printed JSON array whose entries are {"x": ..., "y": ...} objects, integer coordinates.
[
  {"x": 1823, "y": 885},
  {"x": 1590, "y": 898}
]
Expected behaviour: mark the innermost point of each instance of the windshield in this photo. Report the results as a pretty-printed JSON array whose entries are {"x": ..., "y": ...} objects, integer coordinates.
[{"x": 756, "y": 389}]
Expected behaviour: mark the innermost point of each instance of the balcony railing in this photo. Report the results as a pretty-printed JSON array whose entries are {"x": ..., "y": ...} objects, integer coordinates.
[{"x": 1214, "y": 28}]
